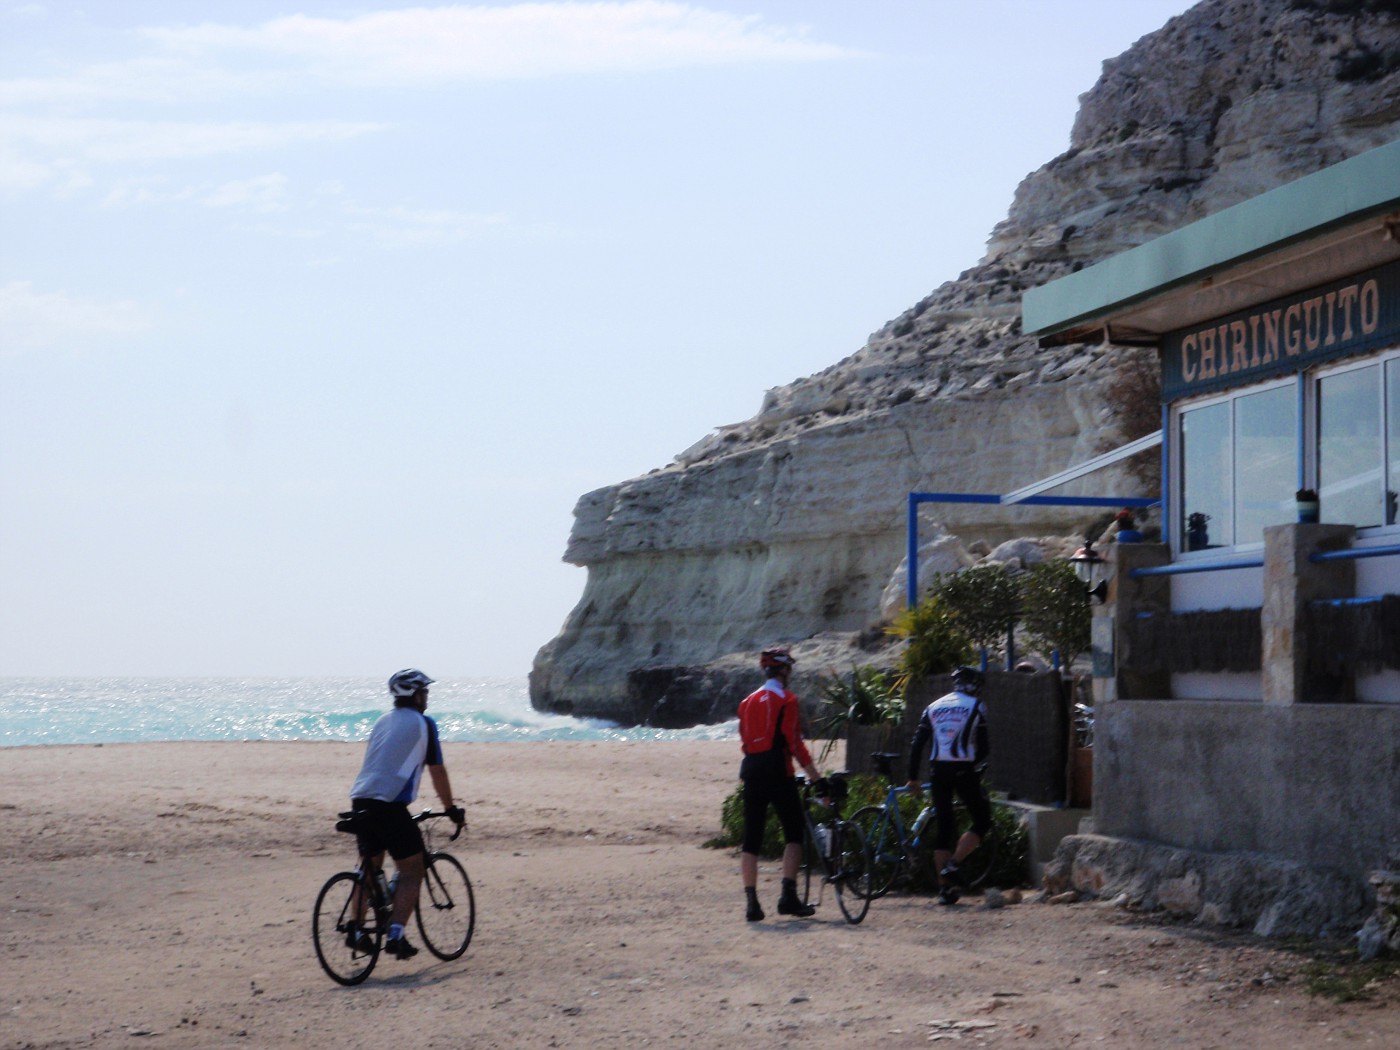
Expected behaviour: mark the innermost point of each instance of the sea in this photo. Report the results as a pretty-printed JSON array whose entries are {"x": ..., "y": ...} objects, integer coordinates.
[{"x": 35, "y": 711}]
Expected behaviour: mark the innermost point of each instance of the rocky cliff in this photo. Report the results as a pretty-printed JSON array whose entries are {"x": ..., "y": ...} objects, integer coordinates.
[{"x": 790, "y": 525}]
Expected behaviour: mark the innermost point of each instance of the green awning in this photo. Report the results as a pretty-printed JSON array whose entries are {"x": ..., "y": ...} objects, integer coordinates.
[{"x": 1335, "y": 222}]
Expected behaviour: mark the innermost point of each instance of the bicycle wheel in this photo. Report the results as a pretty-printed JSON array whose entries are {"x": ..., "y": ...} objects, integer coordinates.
[
  {"x": 446, "y": 907},
  {"x": 886, "y": 851},
  {"x": 344, "y": 960},
  {"x": 850, "y": 874}
]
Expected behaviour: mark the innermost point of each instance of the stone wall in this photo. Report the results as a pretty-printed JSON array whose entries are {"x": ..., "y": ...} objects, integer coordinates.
[{"x": 1269, "y": 895}]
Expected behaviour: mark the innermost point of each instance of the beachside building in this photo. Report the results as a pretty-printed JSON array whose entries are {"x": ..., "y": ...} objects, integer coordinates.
[{"x": 1249, "y": 663}]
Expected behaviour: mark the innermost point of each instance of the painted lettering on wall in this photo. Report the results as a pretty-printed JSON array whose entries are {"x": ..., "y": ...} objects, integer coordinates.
[{"x": 1285, "y": 335}]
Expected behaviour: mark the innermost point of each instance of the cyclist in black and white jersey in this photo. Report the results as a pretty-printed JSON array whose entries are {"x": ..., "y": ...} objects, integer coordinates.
[{"x": 953, "y": 731}]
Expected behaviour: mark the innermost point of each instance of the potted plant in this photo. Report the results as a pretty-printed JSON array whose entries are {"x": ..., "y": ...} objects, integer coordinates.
[
  {"x": 1307, "y": 506},
  {"x": 1127, "y": 527},
  {"x": 865, "y": 698}
]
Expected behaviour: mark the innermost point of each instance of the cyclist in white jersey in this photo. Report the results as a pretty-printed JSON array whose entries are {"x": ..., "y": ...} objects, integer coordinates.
[
  {"x": 401, "y": 743},
  {"x": 953, "y": 730}
]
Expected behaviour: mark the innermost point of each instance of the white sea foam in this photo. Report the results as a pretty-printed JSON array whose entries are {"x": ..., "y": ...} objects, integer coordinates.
[{"x": 122, "y": 710}]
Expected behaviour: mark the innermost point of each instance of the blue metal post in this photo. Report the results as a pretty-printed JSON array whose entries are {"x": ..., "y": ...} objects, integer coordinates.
[
  {"x": 1166, "y": 474},
  {"x": 1302, "y": 431},
  {"x": 913, "y": 530}
]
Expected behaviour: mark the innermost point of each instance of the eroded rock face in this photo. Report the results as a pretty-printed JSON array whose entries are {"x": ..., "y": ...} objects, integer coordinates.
[{"x": 793, "y": 523}]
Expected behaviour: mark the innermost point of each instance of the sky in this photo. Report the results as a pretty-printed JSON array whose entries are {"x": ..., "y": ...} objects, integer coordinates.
[{"x": 316, "y": 319}]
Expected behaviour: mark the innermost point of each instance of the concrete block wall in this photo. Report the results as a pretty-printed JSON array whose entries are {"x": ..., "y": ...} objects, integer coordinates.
[{"x": 1314, "y": 783}]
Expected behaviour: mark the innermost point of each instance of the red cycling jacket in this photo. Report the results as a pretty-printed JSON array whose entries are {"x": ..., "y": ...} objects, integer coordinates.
[{"x": 768, "y": 716}]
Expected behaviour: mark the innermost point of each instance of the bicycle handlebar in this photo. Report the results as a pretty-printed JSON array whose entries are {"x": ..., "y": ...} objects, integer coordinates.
[{"x": 430, "y": 814}]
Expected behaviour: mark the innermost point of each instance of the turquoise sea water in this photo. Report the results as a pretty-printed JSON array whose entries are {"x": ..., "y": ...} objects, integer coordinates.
[{"x": 121, "y": 710}]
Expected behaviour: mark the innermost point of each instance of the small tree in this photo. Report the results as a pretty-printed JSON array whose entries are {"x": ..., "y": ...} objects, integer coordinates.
[
  {"x": 985, "y": 602},
  {"x": 1055, "y": 610},
  {"x": 937, "y": 642}
]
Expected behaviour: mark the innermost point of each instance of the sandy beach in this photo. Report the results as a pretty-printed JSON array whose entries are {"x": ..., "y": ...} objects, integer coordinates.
[{"x": 160, "y": 894}]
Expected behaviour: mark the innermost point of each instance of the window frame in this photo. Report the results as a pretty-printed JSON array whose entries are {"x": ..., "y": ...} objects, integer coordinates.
[
  {"x": 1177, "y": 495},
  {"x": 1384, "y": 361}
]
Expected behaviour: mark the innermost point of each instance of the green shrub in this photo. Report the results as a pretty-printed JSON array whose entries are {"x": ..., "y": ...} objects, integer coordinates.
[
  {"x": 937, "y": 643},
  {"x": 984, "y": 601},
  {"x": 1055, "y": 610}
]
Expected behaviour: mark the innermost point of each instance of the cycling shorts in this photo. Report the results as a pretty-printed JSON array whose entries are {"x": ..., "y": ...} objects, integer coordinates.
[
  {"x": 781, "y": 792},
  {"x": 387, "y": 826},
  {"x": 960, "y": 778}
]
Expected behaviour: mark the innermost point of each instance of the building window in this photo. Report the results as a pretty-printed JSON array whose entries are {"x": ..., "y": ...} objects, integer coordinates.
[
  {"x": 1358, "y": 443},
  {"x": 1238, "y": 466},
  {"x": 1349, "y": 451}
]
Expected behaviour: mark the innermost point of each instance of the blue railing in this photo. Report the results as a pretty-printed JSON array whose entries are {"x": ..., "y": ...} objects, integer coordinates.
[
  {"x": 1180, "y": 568},
  {"x": 1351, "y": 553}
]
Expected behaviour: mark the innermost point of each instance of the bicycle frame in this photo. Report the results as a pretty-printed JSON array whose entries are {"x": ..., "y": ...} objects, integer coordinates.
[
  {"x": 372, "y": 884},
  {"x": 843, "y": 859},
  {"x": 894, "y": 816}
]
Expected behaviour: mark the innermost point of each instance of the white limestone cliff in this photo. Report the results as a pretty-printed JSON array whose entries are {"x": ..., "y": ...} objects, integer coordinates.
[{"x": 789, "y": 526}]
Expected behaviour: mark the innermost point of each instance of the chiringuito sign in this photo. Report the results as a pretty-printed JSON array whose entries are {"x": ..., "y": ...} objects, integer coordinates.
[{"x": 1345, "y": 317}]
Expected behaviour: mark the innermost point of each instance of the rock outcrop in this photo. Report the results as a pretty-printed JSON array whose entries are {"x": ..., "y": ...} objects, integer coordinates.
[{"x": 790, "y": 525}]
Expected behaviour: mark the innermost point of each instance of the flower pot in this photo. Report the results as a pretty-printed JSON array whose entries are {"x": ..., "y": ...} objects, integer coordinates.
[
  {"x": 1307, "y": 512},
  {"x": 1129, "y": 536}
]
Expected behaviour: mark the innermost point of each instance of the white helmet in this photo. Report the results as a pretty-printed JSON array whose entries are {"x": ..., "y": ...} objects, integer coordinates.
[{"x": 408, "y": 681}]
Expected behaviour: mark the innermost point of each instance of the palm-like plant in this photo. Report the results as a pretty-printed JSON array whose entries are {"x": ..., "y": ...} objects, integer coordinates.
[{"x": 865, "y": 697}]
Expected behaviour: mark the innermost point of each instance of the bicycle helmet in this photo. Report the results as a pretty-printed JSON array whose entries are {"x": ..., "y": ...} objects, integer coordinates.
[
  {"x": 408, "y": 681},
  {"x": 773, "y": 659},
  {"x": 968, "y": 680}
]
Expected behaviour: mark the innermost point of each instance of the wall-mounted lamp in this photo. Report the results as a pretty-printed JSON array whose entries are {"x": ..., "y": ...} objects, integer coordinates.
[{"x": 1093, "y": 570}]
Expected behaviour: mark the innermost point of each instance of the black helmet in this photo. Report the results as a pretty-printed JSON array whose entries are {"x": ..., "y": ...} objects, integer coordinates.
[{"x": 968, "y": 680}]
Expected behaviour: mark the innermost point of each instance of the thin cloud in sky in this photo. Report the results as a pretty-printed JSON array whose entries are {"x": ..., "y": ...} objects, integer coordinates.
[
  {"x": 398, "y": 226},
  {"x": 420, "y": 46},
  {"x": 526, "y": 40},
  {"x": 39, "y": 151},
  {"x": 160, "y": 140},
  {"x": 263, "y": 193},
  {"x": 34, "y": 320},
  {"x": 57, "y": 131}
]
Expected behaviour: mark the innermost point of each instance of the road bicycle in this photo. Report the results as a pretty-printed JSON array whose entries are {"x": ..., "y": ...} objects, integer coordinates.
[
  {"x": 351, "y": 919},
  {"x": 833, "y": 850},
  {"x": 898, "y": 849}
]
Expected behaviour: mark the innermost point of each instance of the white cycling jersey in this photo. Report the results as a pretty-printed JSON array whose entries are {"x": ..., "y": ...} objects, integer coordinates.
[
  {"x": 400, "y": 744},
  {"x": 953, "y": 721}
]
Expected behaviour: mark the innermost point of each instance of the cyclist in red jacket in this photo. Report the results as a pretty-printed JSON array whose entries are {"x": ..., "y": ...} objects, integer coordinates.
[{"x": 772, "y": 738}]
